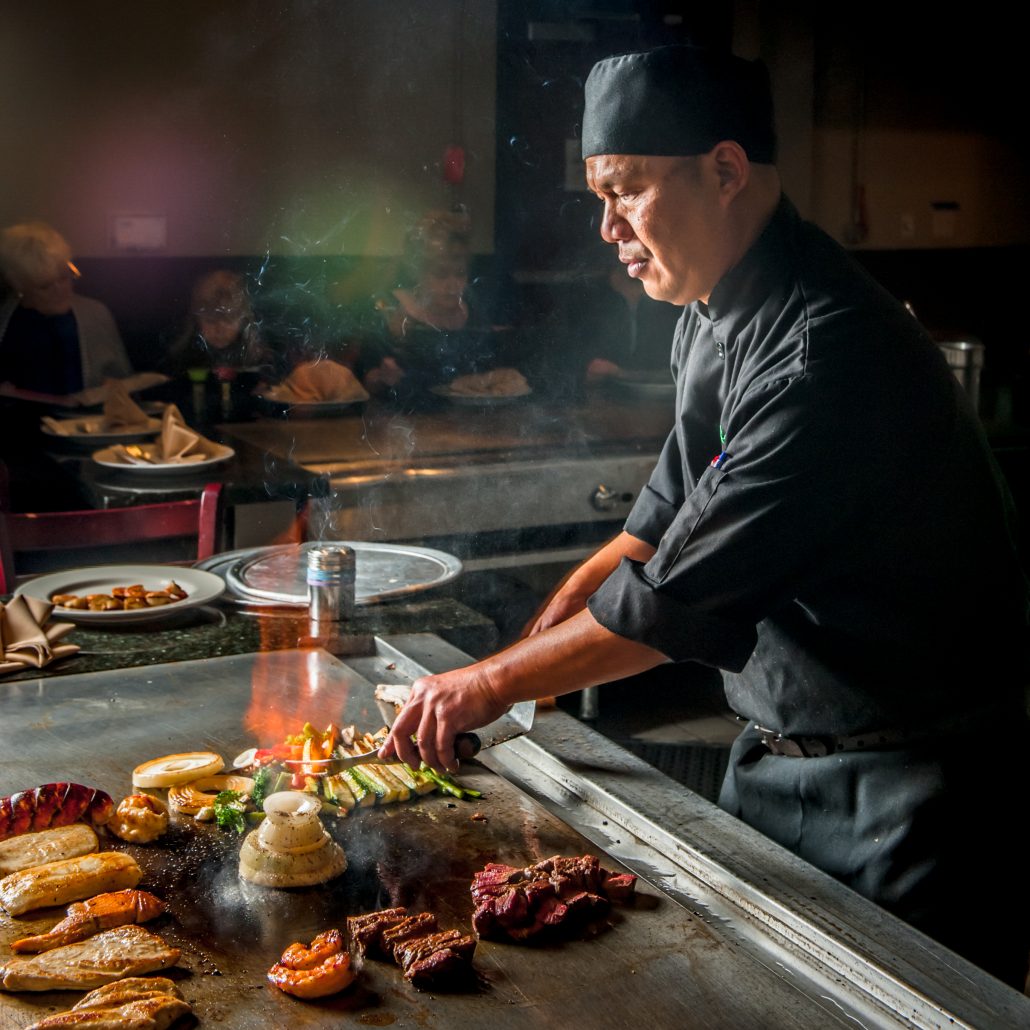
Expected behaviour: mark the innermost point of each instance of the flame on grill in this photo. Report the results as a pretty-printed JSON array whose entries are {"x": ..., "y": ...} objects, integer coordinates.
[{"x": 281, "y": 701}]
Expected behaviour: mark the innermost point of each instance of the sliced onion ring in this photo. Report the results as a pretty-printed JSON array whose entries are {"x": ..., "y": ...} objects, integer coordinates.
[
  {"x": 245, "y": 759},
  {"x": 170, "y": 770},
  {"x": 190, "y": 798}
]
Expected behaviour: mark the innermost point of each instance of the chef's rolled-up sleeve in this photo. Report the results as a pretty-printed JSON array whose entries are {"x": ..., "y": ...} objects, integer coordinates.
[
  {"x": 660, "y": 499},
  {"x": 794, "y": 488}
]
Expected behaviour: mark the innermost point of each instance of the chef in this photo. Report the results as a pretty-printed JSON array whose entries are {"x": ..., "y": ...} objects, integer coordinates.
[{"x": 825, "y": 525}]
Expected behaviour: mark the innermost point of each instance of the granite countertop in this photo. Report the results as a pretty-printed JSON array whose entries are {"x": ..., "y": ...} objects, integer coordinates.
[{"x": 219, "y": 630}]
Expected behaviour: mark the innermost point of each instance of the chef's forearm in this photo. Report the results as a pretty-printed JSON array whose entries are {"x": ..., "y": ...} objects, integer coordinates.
[
  {"x": 586, "y": 578},
  {"x": 577, "y": 653}
]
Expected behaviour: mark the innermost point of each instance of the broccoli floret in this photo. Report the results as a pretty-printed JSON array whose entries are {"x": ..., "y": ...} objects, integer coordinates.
[
  {"x": 229, "y": 809},
  {"x": 264, "y": 784}
]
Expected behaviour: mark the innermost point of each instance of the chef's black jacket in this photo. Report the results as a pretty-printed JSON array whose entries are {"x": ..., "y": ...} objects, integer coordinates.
[{"x": 831, "y": 532}]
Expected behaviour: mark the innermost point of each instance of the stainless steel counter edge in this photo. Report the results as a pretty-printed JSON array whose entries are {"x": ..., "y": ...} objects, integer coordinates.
[{"x": 868, "y": 962}]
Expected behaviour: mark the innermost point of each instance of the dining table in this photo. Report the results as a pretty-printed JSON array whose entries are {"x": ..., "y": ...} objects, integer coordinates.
[{"x": 723, "y": 928}]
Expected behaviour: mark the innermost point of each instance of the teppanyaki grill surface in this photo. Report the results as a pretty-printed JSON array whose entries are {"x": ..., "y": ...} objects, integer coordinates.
[{"x": 653, "y": 963}]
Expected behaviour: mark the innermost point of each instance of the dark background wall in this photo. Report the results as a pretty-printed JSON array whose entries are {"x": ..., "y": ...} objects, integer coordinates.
[{"x": 298, "y": 141}]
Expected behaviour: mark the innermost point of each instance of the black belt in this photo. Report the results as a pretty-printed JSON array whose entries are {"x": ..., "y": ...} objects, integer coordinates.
[
  {"x": 971, "y": 725},
  {"x": 820, "y": 747}
]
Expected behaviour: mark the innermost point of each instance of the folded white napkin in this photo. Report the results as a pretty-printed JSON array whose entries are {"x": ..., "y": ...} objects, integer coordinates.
[
  {"x": 120, "y": 410},
  {"x": 63, "y": 426},
  {"x": 98, "y": 394},
  {"x": 27, "y": 638},
  {"x": 177, "y": 444}
]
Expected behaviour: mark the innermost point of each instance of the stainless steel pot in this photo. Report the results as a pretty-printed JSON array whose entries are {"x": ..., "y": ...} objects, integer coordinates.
[{"x": 965, "y": 358}]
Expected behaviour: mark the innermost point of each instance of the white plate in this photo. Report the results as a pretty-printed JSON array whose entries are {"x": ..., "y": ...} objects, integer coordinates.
[
  {"x": 201, "y": 588},
  {"x": 309, "y": 409},
  {"x": 89, "y": 432},
  {"x": 110, "y": 458},
  {"x": 478, "y": 400}
]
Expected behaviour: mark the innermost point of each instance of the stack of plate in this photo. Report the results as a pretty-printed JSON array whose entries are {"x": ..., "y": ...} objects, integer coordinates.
[{"x": 263, "y": 577}]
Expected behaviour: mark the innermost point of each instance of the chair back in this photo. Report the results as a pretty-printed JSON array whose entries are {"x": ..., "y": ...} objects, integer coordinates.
[{"x": 66, "y": 530}]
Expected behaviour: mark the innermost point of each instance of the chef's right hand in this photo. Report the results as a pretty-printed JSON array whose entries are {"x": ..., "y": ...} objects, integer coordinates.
[{"x": 438, "y": 708}]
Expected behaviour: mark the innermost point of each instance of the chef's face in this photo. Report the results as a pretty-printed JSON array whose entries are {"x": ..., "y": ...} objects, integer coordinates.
[{"x": 664, "y": 215}]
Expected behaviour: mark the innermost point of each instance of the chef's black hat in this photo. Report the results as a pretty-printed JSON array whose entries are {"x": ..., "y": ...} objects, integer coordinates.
[{"x": 678, "y": 101}]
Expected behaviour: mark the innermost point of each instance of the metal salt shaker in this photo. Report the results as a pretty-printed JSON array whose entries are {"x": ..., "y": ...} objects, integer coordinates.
[{"x": 330, "y": 588}]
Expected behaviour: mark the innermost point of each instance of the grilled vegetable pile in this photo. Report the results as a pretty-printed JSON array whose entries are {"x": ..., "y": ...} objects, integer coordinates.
[{"x": 358, "y": 787}]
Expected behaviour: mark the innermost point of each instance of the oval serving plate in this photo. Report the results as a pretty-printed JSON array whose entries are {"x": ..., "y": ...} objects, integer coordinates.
[
  {"x": 479, "y": 400},
  {"x": 201, "y": 588},
  {"x": 110, "y": 458},
  {"x": 308, "y": 409},
  {"x": 88, "y": 432}
]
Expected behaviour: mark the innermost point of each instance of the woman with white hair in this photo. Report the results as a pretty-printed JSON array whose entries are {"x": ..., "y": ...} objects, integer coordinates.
[{"x": 51, "y": 340}]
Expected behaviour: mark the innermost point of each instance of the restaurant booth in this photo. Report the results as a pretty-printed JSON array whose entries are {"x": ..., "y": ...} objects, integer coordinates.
[{"x": 295, "y": 148}]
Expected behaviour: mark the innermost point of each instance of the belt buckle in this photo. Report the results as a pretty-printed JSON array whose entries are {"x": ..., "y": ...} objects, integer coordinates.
[
  {"x": 788, "y": 747},
  {"x": 778, "y": 744}
]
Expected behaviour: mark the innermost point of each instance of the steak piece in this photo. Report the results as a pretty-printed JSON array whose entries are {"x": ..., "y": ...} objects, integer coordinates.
[
  {"x": 429, "y": 959},
  {"x": 494, "y": 878},
  {"x": 415, "y": 948},
  {"x": 555, "y": 893},
  {"x": 619, "y": 886},
  {"x": 442, "y": 966},
  {"x": 413, "y": 926},
  {"x": 366, "y": 931}
]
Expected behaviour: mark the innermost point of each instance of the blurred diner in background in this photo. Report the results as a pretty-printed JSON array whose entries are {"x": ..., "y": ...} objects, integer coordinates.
[
  {"x": 433, "y": 325},
  {"x": 52, "y": 340},
  {"x": 220, "y": 330}
]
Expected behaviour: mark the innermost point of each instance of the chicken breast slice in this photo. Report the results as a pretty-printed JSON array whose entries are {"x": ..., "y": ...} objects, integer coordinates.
[{"x": 111, "y": 955}]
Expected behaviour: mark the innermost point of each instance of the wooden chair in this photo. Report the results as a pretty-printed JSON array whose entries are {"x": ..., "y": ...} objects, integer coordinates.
[{"x": 109, "y": 527}]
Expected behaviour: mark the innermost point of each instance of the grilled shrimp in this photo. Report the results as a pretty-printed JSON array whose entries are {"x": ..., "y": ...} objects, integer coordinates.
[
  {"x": 325, "y": 945},
  {"x": 315, "y": 971}
]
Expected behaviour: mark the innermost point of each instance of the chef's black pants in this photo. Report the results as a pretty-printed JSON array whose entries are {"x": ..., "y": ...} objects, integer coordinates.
[{"x": 927, "y": 832}]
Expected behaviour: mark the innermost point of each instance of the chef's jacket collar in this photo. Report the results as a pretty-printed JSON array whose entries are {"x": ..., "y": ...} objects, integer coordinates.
[{"x": 752, "y": 281}]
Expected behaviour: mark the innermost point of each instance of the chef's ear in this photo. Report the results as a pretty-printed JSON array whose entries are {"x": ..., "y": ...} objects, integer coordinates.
[{"x": 731, "y": 166}]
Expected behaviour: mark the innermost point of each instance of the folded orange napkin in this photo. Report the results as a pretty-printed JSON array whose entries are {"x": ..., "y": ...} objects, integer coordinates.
[
  {"x": 316, "y": 381},
  {"x": 26, "y": 638},
  {"x": 119, "y": 407}
]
